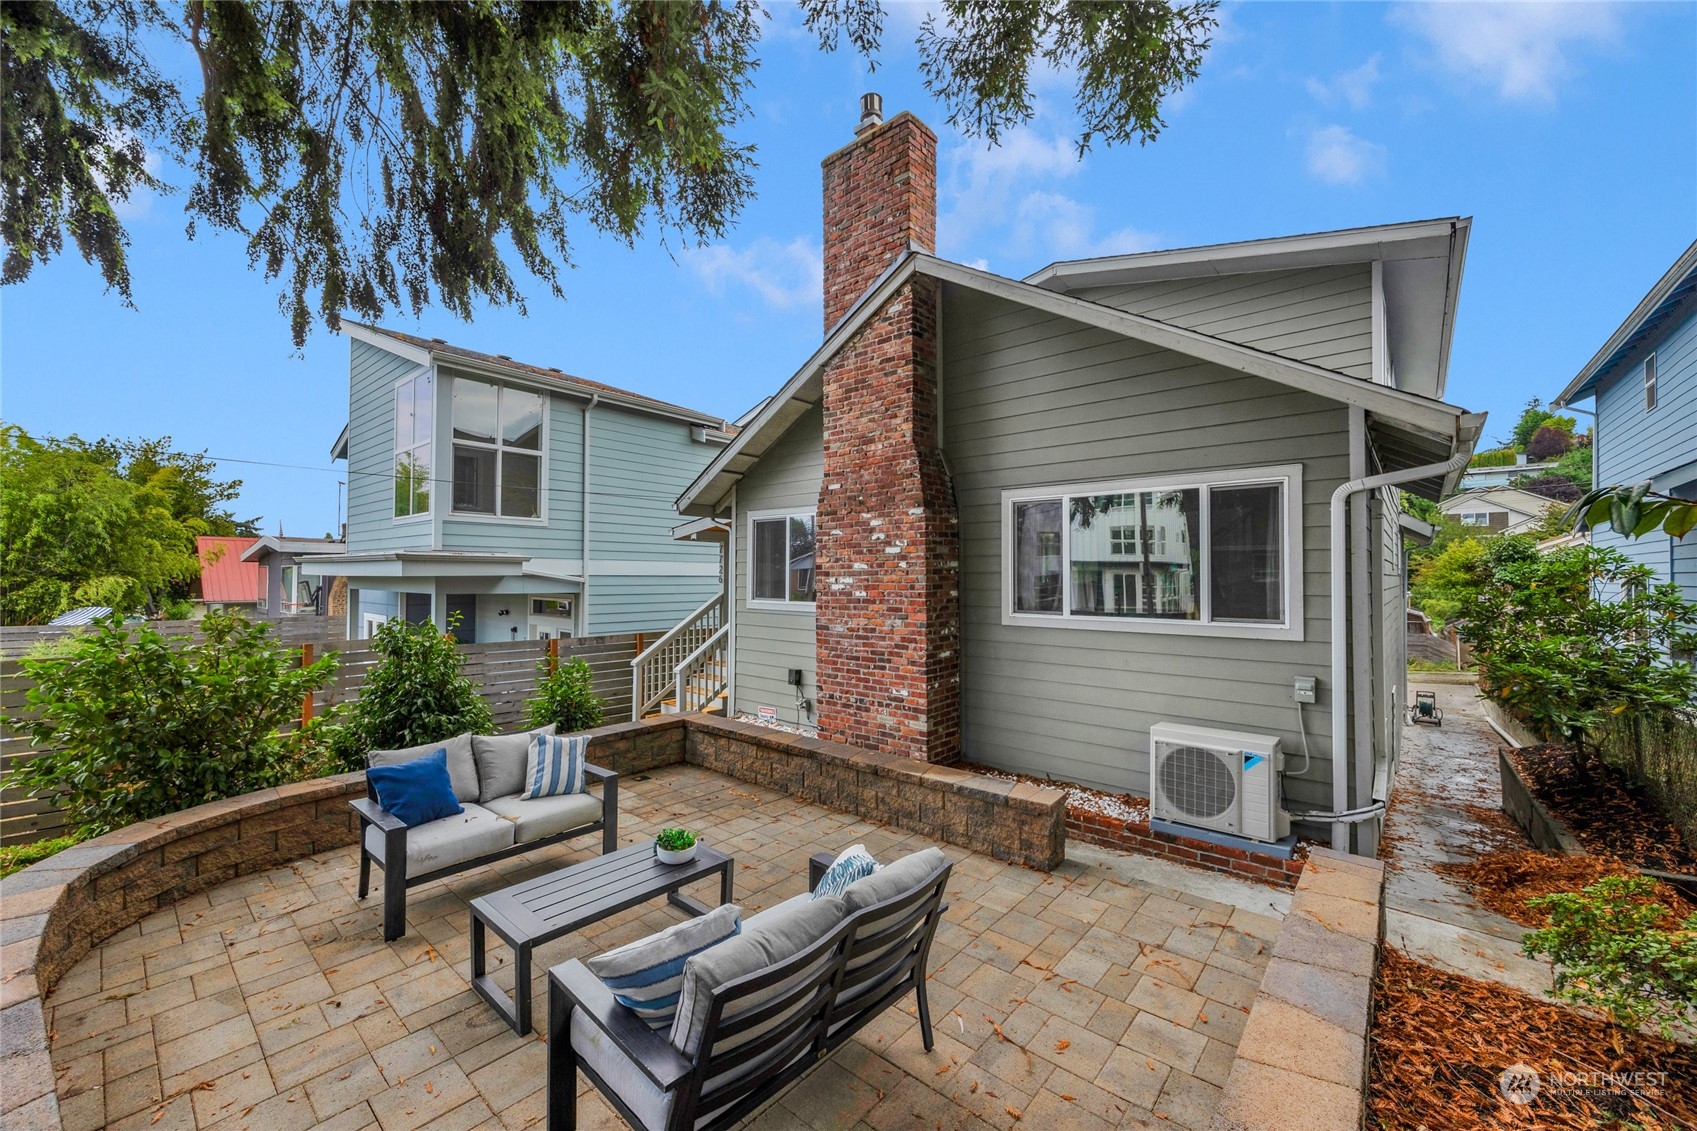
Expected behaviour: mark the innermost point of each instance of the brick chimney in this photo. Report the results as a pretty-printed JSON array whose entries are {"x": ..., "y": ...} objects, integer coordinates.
[
  {"x": 888, "y": 535},
  {"x": 880, "y": 196}
]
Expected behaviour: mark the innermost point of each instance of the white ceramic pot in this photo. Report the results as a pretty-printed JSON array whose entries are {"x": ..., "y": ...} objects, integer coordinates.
[{"x": 680, "y": 856}]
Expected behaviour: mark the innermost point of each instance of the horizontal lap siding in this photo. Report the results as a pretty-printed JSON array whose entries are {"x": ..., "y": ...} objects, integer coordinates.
[
  {"x": 638, "y": 466},
  {"x": 1031, "y": 400},
  {"x": 770, "y": 643},
  {"x": 562, "y": 536},
  {"x": 372, "y": 374},
  {"x": 1635, "y": 444},
  {"x": 1322, "y": 315}
]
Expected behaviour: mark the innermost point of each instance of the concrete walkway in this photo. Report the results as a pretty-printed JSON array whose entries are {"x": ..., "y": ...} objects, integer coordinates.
[{"x": 1442, "y": 804}]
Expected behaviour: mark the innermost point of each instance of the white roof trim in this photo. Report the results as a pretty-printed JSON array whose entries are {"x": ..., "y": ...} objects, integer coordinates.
[
  {"x": 1436, "y": 417},
  {"x": 385, "y": 343},
  {"x": 339, "y": 450},
  {"x": 1347, "y": 245}
]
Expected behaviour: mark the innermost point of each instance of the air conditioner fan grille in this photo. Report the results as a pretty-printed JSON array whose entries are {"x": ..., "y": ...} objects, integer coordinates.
[{"x": 1197, "y": 781}]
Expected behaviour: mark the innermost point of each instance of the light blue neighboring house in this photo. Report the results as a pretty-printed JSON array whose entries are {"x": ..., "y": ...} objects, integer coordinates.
[
  {"x": 1644, "y": 383},
  {"x": 512, "y": 500}
]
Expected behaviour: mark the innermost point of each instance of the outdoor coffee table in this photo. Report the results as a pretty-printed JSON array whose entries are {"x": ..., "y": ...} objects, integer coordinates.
[{"x": 541, "y": 910}]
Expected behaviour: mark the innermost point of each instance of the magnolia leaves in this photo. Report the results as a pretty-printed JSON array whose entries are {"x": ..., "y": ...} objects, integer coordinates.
[{"x": 1635, "y": 511}]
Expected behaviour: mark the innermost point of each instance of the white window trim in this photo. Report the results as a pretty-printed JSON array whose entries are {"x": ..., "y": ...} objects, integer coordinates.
[
  {"x": 541, "y": 517},
  {"x": 767, "y": 604},
  {"x": 1291, "y": 629},
  {"x": 428, "y": 513}
]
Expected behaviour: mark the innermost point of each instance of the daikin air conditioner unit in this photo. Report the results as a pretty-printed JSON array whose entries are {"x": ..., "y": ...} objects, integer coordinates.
[{"x": 1217, "y": 779}]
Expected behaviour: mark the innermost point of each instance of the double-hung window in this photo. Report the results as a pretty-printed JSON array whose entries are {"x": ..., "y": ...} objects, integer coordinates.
[
  {"x": 414, "y": 421},
  {"x": 497, "y": 450},
  {"x": 1213, "y": 554},
  {"x": 781, "y": 559}
]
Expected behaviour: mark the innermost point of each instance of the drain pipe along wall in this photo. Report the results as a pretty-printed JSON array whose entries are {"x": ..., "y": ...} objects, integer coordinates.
[{"x": 1343, "y": 814}]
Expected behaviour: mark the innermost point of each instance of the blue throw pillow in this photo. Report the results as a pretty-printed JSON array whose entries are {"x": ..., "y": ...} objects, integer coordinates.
[
  {"x": 554, "y": 765},
  {"x": 418, "y": 791},
  {"x": 646, "y": 975},
  {"x": 855, "y": 863}
]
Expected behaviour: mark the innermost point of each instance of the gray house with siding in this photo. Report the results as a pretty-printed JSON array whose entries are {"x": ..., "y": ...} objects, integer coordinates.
[
  {"x": 514, "y": 501},
  {"x": 1042, "y": 515},
  {"x": 1643, "y": 382}
]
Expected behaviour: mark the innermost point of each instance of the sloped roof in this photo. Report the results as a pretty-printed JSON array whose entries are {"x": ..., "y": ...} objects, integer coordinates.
[
  {"x": 87, "y": 614},
  {"x": 441, "y": 351},
  {"x": 1672, "y": 292},
  {"x": 1416, "y": 422},
  {"x": 224, "y": 577}
]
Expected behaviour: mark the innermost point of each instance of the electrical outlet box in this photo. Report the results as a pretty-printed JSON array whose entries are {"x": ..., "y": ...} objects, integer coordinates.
[
  {"x": 795, "y": 677},
  {"x": 1305, "y": 689}
]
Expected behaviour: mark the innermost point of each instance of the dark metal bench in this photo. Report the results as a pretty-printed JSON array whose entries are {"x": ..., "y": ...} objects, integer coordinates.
[
  {"x": 396, "y": 881},
  {"x": 865, "y": 965}
]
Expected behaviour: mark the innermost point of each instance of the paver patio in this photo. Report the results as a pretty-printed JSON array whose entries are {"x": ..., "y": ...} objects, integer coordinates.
[{"x": 1078, "y": 999}]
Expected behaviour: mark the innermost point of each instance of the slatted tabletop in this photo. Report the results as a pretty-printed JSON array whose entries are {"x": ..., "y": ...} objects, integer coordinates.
[
  {"x": 560, "y": 902},
  {"x": 538, "y": 911}
]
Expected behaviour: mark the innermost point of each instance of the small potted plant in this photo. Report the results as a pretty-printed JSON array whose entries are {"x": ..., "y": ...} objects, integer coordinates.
[{"x": 675, "y": 846}]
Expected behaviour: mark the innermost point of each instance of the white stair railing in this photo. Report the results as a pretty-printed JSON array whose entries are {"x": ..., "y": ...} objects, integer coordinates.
[
  {"x": 701, "y": 678},
  {"x": 654, "y": 670}
]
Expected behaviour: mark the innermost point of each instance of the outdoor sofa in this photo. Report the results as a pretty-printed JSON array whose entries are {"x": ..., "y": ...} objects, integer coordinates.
[
  {"x": 745, "y": 1028},
  {"x": 487, "y": 773}
]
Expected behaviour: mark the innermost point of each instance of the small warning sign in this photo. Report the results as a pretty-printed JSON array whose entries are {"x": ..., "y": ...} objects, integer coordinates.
[{"x": 767, "y": 714}]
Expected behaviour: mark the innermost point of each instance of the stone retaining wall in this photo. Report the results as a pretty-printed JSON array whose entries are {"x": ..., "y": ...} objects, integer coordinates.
[
  {"x": 1139, "y": 837},
  {"x": 1302, "y": 1059},
  {"x": 53, "y": 913}
]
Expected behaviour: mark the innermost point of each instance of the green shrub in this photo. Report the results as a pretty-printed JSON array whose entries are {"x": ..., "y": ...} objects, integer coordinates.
[
  {"x": 1567, "y": 639},
  {"x": 134, "y": 725},
  {"x": 566, "y": 698},
  {"x": 1609, "y": 953},
  {"x": 17, "y": 857},
  {"x": 416, "y": 693},
  {"x": 1496, "y": 457},
  {"x": 173, "y": 609}
]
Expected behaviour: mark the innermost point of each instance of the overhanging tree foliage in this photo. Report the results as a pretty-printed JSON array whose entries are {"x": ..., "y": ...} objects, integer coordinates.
[{"x": 381, "y": 155}]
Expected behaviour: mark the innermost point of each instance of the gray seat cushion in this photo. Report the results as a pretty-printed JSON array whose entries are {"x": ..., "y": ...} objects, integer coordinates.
[
  {"x": 892, "y": 879},
  {"x": 501, "y": 762},
  {"x": 542, "y": 817},
  {"x": 462, "y": 767},
  {"x": 624, "y": 1079},
  {"x": 449, "y": 841},
  {"x": 772, "y": 936}
]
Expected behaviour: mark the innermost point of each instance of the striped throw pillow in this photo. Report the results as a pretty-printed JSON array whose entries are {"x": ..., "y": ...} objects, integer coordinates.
[
  {"x": 647, "y": 975},
  {"x": 853, "y": 863},
  {"x": 554, "y": 765}
]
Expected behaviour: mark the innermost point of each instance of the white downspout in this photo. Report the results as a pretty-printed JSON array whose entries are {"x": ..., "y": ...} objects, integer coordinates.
[
  {"x": 1340, "y": 619},
  {"x": 730, "y": 560},
  {"x": 583, "y": 586}
]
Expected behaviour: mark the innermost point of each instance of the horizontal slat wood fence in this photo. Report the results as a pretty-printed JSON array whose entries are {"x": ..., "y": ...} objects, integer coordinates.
[
  {"x": 507, "y": 674},
  {"x": 18, "y": 639}
]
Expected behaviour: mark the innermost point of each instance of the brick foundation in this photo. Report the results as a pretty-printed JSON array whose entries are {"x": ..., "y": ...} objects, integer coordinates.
[{"x": 1139, "y": 837}]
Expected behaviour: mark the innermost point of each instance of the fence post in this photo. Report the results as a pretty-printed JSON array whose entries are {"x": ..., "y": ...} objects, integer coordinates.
[
  {"x": 553, "y": 654},
  {"x": 306, "y": 700}
]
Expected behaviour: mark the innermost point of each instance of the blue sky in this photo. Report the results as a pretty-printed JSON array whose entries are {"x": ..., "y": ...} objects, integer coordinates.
[{"x": 1568, "y": 132}]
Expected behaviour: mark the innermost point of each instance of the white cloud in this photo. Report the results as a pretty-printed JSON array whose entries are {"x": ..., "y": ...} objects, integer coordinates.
[
  {"x": 785, "y": 275},
  {"x": 1337, "y": 156},
  {"x": 1354, "y": 86},
  {"x": 1008, "y": 198},
  {"x": 1523, "y": 50}
]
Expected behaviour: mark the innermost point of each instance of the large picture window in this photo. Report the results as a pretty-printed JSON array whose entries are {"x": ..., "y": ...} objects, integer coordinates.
[
  {"x": 414, "y": 421},
  {"x": 497, "y": 450},
  {"x": 781, "y": 559},
  {"x": 1209, "y": 553}
]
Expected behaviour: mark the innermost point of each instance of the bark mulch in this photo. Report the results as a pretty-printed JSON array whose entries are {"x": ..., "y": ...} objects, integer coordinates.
[
  {"x": 1598, "y": 803},
  {"x": 1440, "y": 1042},
  {"x": 1505, "y": 880}
]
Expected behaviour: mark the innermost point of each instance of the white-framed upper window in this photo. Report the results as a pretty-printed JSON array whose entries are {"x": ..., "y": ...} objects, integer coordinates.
[
  {"x": 1649, "y": 382},
  {"x": 498, "y": 465},
  {"x": 1475, "y": 518},
  {"x": 415, "y": 421},
  {"x": 781, "y": 559},
  {"x": 1216, "y": 553}
]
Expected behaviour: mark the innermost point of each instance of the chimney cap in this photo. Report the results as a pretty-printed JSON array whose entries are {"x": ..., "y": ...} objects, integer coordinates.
[{"x": 871, "y": 112}]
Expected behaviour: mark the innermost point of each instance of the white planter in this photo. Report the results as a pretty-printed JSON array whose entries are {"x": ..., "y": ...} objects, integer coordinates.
[{"x": 681, "y": 856}]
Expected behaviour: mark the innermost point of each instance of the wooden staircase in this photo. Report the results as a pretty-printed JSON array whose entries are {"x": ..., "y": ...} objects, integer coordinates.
[{"x": 688, "y": 669}]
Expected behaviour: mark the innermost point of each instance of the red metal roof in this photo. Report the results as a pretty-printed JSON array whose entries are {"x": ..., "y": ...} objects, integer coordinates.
[{"x": 224, "y": 577}]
